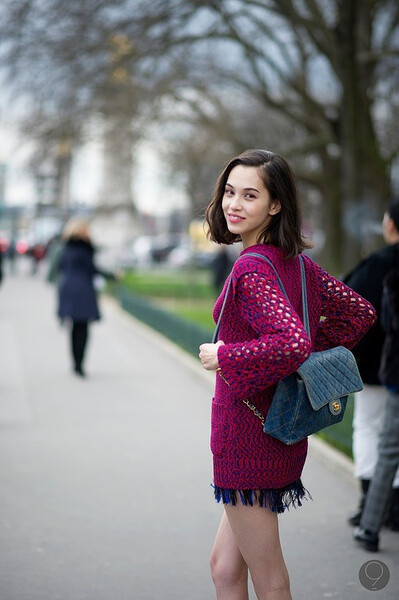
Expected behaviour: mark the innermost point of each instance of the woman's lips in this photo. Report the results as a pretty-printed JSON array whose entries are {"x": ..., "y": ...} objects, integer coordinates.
[{"x": 235, "y": 218}]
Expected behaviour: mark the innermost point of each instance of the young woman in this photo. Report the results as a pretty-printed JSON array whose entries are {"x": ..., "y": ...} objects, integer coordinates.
[
  {"x": 77, "y": 295},
  {"x": 262, "y": 340}
]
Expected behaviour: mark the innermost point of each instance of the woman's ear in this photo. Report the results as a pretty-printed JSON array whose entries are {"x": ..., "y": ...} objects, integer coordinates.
[{"x": 275, "y": 207}]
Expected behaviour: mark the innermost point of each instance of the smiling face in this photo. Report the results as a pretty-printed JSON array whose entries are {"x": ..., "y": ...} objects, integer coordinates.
[{"x": 246, "y": 204}]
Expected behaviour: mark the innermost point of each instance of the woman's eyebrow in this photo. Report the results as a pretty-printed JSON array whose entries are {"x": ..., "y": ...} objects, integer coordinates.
[{"x": 248, "y": 189}]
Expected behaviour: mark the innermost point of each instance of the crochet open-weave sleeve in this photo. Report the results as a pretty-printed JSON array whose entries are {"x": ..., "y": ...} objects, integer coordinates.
[
  {"x": 346, "y": 316},
  {"x": 281, "y": 344}
]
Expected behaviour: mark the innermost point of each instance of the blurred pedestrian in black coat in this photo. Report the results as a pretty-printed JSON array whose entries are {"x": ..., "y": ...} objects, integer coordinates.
[
  {"x": 1, "y": 265},
  {"x": 221, "y": 267},
  {"x": 77, "y": 294},
  {"x": 367, "y": 280},
  {"x": 379, "y": 492}
]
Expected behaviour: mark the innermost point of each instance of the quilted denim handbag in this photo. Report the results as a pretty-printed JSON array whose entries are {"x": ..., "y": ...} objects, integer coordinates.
[{"x": 315, "y": 396}]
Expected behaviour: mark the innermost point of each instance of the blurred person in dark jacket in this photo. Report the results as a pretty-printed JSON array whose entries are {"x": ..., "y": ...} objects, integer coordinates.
[
  {"x": 37, "y": 253},
  {"x": 12, "y": 255},
  {"x": 1, "y": 265},
  {"x": 53, "y": 255},
  {"x": 367, "y": 280},
  {"x": 221, "y": 267},
  {"x": 3, "y": 253},
  {"x": 380, "y": 490},
  {"x": 77, "y": 294}
]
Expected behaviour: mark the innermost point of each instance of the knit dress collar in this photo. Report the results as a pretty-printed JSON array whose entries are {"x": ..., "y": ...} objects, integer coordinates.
[{"x": 264, "y": 248}]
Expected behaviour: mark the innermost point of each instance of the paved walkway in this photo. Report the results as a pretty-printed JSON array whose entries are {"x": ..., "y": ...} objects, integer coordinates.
[{"x": 105, "y": 482}]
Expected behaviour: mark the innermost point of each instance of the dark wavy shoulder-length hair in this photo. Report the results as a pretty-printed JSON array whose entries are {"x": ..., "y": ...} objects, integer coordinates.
[{"x": 284, "y": 228}]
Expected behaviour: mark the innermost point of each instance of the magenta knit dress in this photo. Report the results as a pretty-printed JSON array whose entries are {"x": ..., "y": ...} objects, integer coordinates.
[{"x": 264, "y": 341}]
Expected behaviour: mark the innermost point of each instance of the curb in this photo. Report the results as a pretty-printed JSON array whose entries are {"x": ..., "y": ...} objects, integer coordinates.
[{"x": 332, "y": 458}]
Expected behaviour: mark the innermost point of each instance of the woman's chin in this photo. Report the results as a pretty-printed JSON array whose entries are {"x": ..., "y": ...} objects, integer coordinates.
[{"x": 234, "y": 228}]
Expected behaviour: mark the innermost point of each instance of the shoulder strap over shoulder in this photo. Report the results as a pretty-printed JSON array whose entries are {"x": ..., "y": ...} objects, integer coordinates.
[
  {"x": 280, "y": 283},
  {"x": 216, "y": 333}
]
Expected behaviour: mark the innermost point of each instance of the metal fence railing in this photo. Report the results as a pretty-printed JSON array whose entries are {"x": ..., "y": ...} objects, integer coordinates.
[{"x": 186, "y": 334}]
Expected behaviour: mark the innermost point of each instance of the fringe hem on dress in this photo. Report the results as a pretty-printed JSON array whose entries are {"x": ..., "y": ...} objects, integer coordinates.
[{"x": 277, "y": 500}]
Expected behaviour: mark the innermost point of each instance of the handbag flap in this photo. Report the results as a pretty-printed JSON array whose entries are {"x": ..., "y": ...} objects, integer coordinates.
[{"x": 329, "y": 375}]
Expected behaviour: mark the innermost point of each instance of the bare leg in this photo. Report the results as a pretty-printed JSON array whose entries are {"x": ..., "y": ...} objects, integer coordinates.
[
  {"x": 257, "y": 536},
  {"x": 229, "y": 570}
]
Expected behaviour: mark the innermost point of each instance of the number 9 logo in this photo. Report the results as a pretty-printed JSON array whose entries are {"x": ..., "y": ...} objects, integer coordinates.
[{"x": 374, "y": 575}]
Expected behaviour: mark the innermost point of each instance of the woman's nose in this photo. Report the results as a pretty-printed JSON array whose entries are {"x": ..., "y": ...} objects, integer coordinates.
[{"x": 235, "y": 202}]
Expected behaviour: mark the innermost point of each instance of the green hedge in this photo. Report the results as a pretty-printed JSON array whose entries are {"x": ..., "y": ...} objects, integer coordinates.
[
  {"x": 183, "y": 332},
  {"x": 185, "y": 284}
]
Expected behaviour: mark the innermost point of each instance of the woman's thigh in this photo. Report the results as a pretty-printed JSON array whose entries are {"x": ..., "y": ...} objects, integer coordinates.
[{"x": 257, "y": 535}]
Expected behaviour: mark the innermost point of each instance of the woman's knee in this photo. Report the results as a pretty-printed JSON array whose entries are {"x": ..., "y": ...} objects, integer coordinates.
[{"x": 226, "y": 571}]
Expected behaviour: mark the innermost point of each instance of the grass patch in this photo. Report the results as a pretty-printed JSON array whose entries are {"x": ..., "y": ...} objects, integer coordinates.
[
  {"x": 197, "y": 311},
  {"x": 184, "y": 284},
  {"x": 187, "y": 293},
  {"x": 198, "y": 315},
  {"x": 340, "y": 435}
]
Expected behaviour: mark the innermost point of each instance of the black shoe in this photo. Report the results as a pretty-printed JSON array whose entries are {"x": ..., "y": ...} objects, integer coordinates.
[
  {"x": 354, "y": 518},
  {"x": 367, "y": 539},
  {"x": 79, "y": 371}
]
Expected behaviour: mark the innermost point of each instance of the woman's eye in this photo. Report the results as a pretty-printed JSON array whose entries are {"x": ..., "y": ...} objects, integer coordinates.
[{"x": 228, "y": 192}]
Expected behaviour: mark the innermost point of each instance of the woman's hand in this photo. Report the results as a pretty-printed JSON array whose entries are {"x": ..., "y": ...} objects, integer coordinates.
[{"x": 208, "y": 354}]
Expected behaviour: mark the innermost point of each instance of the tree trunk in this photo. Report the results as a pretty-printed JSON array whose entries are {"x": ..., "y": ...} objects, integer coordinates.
[
  {"x": 331, "y": 218},
  {"x": 363, "y": 174}
]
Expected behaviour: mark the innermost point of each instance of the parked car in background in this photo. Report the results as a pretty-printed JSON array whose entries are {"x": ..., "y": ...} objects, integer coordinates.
[{"x": 185, "y": 255}]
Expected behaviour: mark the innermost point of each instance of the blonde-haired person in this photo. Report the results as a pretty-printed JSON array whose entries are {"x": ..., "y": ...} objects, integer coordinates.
[
  {"x": 76, "y": 228},
  {"x": 76, "y": 292}
]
